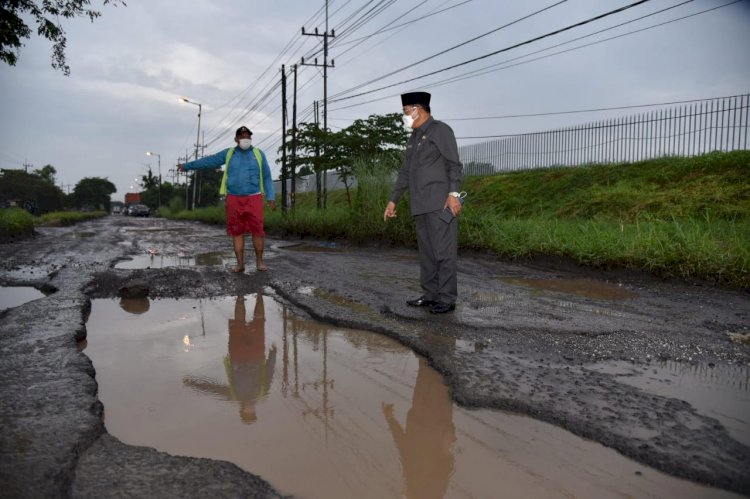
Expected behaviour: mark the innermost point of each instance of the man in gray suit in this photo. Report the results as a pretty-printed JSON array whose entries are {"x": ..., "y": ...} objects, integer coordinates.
[{"x": 432, "y": 173}]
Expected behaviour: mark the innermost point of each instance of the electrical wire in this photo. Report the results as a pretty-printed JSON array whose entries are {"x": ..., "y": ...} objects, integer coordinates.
[
  {"x": 449, "y": 49},
  {"x": 490, "y": 54},
  {"x": 485, "y": 70}
]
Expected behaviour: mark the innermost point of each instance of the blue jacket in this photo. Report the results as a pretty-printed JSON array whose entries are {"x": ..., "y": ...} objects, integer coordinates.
[{"x": 244, "y": 175}]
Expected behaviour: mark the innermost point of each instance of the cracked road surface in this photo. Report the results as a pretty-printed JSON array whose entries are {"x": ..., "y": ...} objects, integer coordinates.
[{"x": 560, "y": 343}]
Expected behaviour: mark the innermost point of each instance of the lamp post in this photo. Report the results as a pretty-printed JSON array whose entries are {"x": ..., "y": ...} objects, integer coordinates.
[
  {"x": 197, "y": 141},
  {"x": 158, "y": 157}
]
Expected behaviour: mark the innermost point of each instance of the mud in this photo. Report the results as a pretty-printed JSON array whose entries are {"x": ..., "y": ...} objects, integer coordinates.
[{"x": 521, "y": 340}]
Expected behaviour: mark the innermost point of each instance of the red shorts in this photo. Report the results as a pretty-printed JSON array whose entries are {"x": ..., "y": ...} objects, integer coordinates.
[{"x": 245, "y": 215}]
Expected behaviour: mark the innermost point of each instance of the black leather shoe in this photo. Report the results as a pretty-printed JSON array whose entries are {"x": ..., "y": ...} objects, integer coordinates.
[
  {"x": 442, "y": 308},
  {"x": 421, "y": 302}
]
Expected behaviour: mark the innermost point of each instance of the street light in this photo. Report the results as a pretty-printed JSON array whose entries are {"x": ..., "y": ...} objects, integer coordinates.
[
  {"x": 197, "y": 140},
  {"x": 158, "y": 157}
]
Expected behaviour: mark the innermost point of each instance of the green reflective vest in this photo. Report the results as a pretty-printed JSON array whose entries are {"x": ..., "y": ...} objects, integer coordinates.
[{"x": 223, "y": 188}]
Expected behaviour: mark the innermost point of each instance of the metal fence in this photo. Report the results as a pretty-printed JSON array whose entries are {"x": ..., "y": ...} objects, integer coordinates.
[
  {"x": 688, "y": 130},
  {"x": 719, "y": 124}
]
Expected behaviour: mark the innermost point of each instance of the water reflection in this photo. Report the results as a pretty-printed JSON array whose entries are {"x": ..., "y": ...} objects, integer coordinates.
[
  {"x": 346, "y": 414},
  {"x": 248, "y": 368},
  {"x": 135, "y": 305},
  {"x": 17, "y": 295},
  {"x": 424, "y": 444},
  {"x": 590, "y": 288},
  {"x": 160, "y": 261}
]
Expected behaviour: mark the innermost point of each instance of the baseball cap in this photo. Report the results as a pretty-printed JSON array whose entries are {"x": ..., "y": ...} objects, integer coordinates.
[{"x": 242, "y": 129}]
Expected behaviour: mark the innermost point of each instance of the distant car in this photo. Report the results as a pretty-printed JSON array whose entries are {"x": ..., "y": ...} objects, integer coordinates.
[{"x": 139, "y": 210}]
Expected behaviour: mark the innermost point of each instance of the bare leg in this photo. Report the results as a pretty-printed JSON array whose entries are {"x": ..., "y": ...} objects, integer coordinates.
[
  {"x": 238, "y": 242},
  {"x": 258, "y": 247}
]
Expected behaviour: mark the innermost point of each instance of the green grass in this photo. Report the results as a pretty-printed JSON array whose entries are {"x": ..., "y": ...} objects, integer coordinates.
[
  {"x": 15, "y": 222},
  {"x": 673, "y": 216},
  {"x": 65, "y": 218},
  {"x": 214, "y": 215}
]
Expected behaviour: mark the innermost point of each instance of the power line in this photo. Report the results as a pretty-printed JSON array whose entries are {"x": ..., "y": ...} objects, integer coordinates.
[
  {"x": 469, "y": 61},
  {"x": 263, "y": 98},
  {"x": 442, "y": 52},
  {"x": 293, "y": 41},
  {"x": 486, "y": 70},
  {"x": 385, "y": 28}
]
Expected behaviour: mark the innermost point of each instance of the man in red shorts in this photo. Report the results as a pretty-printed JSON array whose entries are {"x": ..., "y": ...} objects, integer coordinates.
[{"x": 247, "y": 180}]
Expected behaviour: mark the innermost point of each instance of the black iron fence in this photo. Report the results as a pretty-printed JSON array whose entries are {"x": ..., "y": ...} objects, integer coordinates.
[{"x": 719, "y": 124}]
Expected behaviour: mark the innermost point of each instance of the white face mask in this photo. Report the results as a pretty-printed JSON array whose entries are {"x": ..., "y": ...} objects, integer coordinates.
[
  {"x": 245, "y": 144},
  {"x": 408, "y": 120}
]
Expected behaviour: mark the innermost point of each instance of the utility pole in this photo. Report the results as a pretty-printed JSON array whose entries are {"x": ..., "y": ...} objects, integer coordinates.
[
  {"x": 293, "y": 194},
  {"x": 187, "y": 185},
  {"x": 325, "y": 66},
  {"x": 283, "y": 139},
  {"x": 26, "y": 166},
  {"x": 196, "y": 173},
  {"x": 203, "y": 153},
  {"x": 318, "y": 190}
]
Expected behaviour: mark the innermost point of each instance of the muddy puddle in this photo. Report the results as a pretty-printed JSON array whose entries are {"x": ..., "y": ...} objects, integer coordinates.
[
  {"x": 321, "y": 247},
  {"x": 15, "y": 296},
  {"x": 589, "y": 288},
  {"x": 159, "y": 261},
  {"x": 326, "y": 412},
  {"x": 720, "y": 392}
]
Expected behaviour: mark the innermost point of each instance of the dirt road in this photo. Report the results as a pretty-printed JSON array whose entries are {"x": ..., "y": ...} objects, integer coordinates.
[{"x": 578, "y": 348}]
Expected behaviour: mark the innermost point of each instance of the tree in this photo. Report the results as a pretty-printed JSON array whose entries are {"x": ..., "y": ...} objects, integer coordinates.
[
  {"x": 92, "y": 193},
  {"x": 46, "y": 14},
  {"x": 150, "y": 181},
  {"x": 47, "y": 173},
  {"x": 320, "y": 150},
  {"x": 29, "y": 191}
]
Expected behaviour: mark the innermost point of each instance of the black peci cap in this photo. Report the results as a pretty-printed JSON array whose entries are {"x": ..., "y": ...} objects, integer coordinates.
[
  {"x": 415, "y": 98},
  {"x": 242, "y": 129}
]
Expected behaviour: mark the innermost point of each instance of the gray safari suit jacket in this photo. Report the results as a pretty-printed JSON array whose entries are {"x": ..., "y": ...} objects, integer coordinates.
[{"x": 431, "y": 168}]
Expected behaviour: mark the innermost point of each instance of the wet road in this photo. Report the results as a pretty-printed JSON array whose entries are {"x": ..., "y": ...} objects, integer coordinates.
[{"x": 655, "y": 370}]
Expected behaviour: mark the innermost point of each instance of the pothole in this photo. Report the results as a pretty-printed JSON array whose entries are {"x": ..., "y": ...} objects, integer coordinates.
[
  {"x": 156, "y": 260},
  {"x": 322, "y": 247},
  {"x": 589, "y": 288},
  {"x": 15, "y": 296},
  {"x": 717, "y": 391},
  {"x": 327, "y": 412}
]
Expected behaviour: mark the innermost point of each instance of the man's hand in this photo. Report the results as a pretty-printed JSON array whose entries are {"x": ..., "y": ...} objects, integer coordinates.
[
  {"x": 390, "y": 211},
  {"x": 272, "y": 204},
  {"x": 454, "y": 204}
]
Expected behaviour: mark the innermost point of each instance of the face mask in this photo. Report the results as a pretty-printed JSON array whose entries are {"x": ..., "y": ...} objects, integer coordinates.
[
  {"x": 245, "y": 144},
  {"x": 408, "y": 120}
]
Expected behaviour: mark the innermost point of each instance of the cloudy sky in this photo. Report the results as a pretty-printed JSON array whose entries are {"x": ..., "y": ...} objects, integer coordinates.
[{"x": 129, "y": 68}]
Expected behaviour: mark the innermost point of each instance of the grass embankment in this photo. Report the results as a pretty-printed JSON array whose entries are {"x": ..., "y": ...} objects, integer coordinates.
[
  {"x": 16, "y": 222},
  {"x": 681, "y": 217},
  {"x": 65, "y": 218}
]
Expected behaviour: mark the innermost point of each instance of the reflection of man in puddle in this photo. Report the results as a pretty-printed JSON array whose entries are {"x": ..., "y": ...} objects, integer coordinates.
[
  {"x": 248, "y": 370},
  {"x": 425, "y": 445}
]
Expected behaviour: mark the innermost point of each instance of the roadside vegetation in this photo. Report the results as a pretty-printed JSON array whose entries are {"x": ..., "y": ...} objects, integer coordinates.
[
  {"x": 673, "y": 216},
  {"x": 64, "y": 218},
  {"x": 17, "y": 222}
]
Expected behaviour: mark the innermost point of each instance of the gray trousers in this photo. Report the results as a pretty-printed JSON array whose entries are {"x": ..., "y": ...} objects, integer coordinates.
[{"x": 438, "y": 252}]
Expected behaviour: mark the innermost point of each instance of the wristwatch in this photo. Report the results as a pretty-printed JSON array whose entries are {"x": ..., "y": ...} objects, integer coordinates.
[{"x": 454, "y": 194}]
